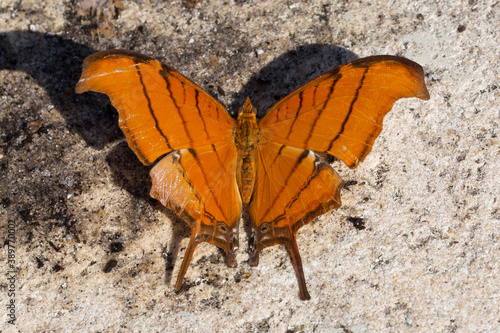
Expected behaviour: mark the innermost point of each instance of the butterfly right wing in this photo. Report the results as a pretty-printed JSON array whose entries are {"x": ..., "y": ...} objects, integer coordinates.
[{"x": 341, "y": 113}]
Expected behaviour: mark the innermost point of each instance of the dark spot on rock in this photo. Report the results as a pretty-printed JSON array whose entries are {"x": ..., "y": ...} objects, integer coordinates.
[
  {"x": 39, "y": 263},
  {"x": 350, "y": 183},
  {"x": 116, "y": 247},
  {"x": 57, "y": 268},
  {"x": 357, "y": 222},
  {"x": 54, "y": 246},
  {"x": 110, "y": 265},
  {"x": 6, "y": 202}
]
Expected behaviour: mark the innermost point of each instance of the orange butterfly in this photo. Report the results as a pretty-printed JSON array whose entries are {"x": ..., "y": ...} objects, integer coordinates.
[{"x": 214, "y": 164}]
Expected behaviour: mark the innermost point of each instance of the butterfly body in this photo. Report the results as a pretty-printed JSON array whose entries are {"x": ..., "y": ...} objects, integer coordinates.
[
  {"x": 246, "y": 139},
  {"x": 208, "y": 164}
]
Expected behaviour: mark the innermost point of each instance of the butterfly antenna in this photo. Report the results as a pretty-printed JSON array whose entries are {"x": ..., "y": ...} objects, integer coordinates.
[
  {"x": 185, "y": 262},
  {"x": 297, "y": 265}
]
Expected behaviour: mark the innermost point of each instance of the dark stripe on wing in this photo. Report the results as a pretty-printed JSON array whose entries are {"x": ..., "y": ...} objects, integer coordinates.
[
  {"x": 150, "y": 108},
  {"x": 177, "y": 160},
  {"x": 221, "y": 164},
  {"x": 302, "y": 156},
  {"x": 196, "y": 97},
  {"x": 332, "y": 88},
  {"x": 195, "y": 156},
  {"x": 167, "y": 81},
  {"x": 277, "y": 156},
  {"x": 301, "y": 99},
  {"x": 350, "y": 110}
]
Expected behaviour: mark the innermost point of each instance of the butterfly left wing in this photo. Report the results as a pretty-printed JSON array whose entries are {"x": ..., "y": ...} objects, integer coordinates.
[
  {"x": 199, "y": 184},
  {"x": 292, "y": 187}
]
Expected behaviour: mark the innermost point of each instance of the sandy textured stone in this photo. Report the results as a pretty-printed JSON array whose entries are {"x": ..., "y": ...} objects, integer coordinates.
[{"x": 414, "y": 248}]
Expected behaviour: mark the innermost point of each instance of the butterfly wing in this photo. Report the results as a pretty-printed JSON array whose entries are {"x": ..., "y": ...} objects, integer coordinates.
[
  {"x": 163, "y": 112},
  {"x": 160, "y": 110},
  {"x": 200, "y": 185},
  {"x": 341, "y": 112},
  {"x": 292, "y": 187}
]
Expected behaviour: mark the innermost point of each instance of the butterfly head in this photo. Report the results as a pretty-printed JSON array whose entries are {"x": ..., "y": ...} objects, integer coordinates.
[{"x": 247, "y": 107}]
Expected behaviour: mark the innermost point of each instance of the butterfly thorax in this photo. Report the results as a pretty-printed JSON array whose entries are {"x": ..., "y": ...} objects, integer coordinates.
[{"x": 246, "y": 138}]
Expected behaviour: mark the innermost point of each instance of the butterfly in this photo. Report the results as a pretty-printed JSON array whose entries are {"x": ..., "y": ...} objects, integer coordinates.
[{"x": 211, "y": 166}]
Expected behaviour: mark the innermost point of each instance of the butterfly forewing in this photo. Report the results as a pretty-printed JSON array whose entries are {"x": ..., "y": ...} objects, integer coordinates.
[
  {"x": 160, "y": 110},
  {"x": 341, "y": 112}
]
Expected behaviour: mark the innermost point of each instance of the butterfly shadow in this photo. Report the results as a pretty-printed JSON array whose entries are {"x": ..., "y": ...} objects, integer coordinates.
[
  {"x": 289, "y": 72},
  {"x": 55, "y": 63}
]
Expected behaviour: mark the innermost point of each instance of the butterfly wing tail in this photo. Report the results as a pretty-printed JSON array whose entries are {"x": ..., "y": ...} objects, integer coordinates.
[
  {"x": 193, "y": 243},
  {"x": 282, "y": 236},
  {"x": 198, "y": 237},
  {"x": 297, "y": 265}
]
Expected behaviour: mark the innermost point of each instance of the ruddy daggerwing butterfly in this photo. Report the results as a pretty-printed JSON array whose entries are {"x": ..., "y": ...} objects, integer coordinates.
[{"x": 213, "y": 164}]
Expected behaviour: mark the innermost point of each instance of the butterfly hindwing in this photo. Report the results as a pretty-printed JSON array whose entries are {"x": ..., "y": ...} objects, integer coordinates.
[
  {"x": 200, "y": 185},
  {"x": 293, "y": 186}
]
